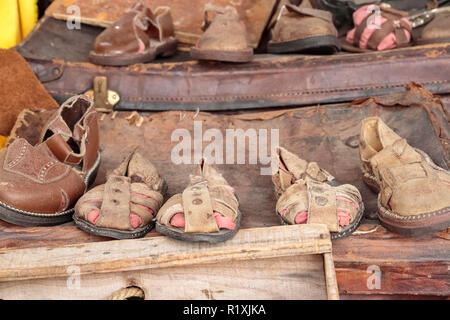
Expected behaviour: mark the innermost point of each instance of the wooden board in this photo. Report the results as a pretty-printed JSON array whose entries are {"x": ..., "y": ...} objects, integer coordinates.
[
  {"x": 285, "y": 262},
  {"x": 187, "y": 17}
]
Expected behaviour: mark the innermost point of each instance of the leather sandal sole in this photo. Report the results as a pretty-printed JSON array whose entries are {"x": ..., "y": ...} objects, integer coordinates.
[
  {"x": 112, "y": 233},
  {"x": 414, "y": 225},
  {"x": 216, "y": 237},
  {"x": 165, "y": 50},
  {"x": 410, "y": 225},
  {"x": 319, "y": 44},
  {"x": 225, "y": 56},
  {"x": 34, "y": 219},
  {"x": 347, "y": 230}
]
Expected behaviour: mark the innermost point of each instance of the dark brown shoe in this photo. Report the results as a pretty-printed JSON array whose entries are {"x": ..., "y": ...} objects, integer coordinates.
[
  {"x": 301, "y": 28},
  {"x": 225, "y": 37},
  {"x": 39, "y": 185},
  {"x": 138, "y": 37}
]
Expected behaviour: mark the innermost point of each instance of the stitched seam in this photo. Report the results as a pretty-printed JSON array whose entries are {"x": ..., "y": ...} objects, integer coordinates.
[
  {"x": 254, "y": 96},
  {"x": 19, "y": 156}
]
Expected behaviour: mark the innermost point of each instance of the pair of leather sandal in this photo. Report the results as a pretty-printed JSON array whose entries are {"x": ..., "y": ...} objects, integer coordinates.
[
  {"x": 294, "y": 28},
  {"x": 413, "y": 192},
  {"x": 131, "y": 203}
]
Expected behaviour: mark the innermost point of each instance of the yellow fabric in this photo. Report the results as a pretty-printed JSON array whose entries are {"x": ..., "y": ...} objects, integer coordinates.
[
  {"x": 28, "y": 15},
  {"x": 2, "y": 141},
  {"x": 17, "y": 19}
]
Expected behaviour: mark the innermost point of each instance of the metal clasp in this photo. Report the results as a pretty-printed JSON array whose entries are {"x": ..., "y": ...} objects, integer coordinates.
[{"x": 104, "y": 99}]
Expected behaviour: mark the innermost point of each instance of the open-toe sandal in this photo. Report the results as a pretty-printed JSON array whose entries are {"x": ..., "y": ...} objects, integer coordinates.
[
  {"x": 207, "y": 210},
  {"x": 308, "y": 194},
  {"x": 124, "y": 207}
]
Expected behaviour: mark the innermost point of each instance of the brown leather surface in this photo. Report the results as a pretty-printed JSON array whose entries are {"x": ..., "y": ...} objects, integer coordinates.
[
  {"x": 269, "y": 80},
  {"x": 19, "y": 90},
  {"x": 188, "y": 16}
]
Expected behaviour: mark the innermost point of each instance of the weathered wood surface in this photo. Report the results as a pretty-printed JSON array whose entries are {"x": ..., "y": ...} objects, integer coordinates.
[
  {"x": 409, "y": 266},
  {"x": 188, "y": 18},
  {"x": 300, "y": 277},
  {"x": 286, "y": 262},
  {"x": 159, "y": 252}
]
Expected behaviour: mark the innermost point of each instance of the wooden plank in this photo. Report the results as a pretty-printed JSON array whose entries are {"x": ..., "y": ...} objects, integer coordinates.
[
  {"x": 187, "y": 18},
  {"x": 158, "y": 252},
  {"x": 405, "y": 266},
  {"x": 295, "y": 277}
]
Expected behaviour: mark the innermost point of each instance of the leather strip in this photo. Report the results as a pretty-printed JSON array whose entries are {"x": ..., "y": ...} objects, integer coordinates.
[
  {"x": 322, "y": 205},
  {"x": 359, "y": 31},
  {"x": 115, "y": 209},
  {"x": 198, "y": 210},
  {"x": 62, "y": 151}
]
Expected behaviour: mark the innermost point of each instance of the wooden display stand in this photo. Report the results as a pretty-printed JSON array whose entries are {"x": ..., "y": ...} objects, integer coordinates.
[{"x": 285, "y": 262}]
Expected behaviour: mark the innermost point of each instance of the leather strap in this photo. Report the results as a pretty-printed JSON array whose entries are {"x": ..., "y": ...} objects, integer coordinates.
[
  {"x": 322, "y": 205},
  {"x": 164, "y": 23},
  {"x": 198, "y": 210},
  {"x": 115, "y": 209},
  {"x": 62, "y": 151}
]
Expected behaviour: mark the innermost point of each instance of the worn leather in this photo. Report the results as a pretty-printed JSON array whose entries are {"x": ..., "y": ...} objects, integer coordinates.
[
  {"x": 410, "y": 184},
  {"x": 74, "y": 123},
  {"x": 437, "y": 30},
  {"x": 223, "y": 30},
  {"x": 294, "y": 22},
  {"x": 208, "y": 192},
  {"x": 138, "y": 30},
  {"x": 305, "y": 187},
  {"x": 130, "y": 188},
  {"x": 49, "y": 177}
]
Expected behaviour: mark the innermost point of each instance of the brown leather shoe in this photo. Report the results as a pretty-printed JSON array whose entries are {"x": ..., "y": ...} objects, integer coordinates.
[
  {"x": 414, "y": 193},
  {"x": 40, "y": 184},
  {"x": 225, "y": 37},
  {"x": 301, "y": 28},
  {"x": 138, "y": 37}
]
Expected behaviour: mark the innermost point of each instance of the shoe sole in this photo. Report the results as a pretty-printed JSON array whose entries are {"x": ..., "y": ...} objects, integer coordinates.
[
  {"x": 347, "y": 230},
  {"x": 217, "y": 237},
  {"x": 34, "y": 219},
  {"x": 165, "y": 50},
  {"x": 112, "y": 233},
  {"x": 319, "y": 44}
]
